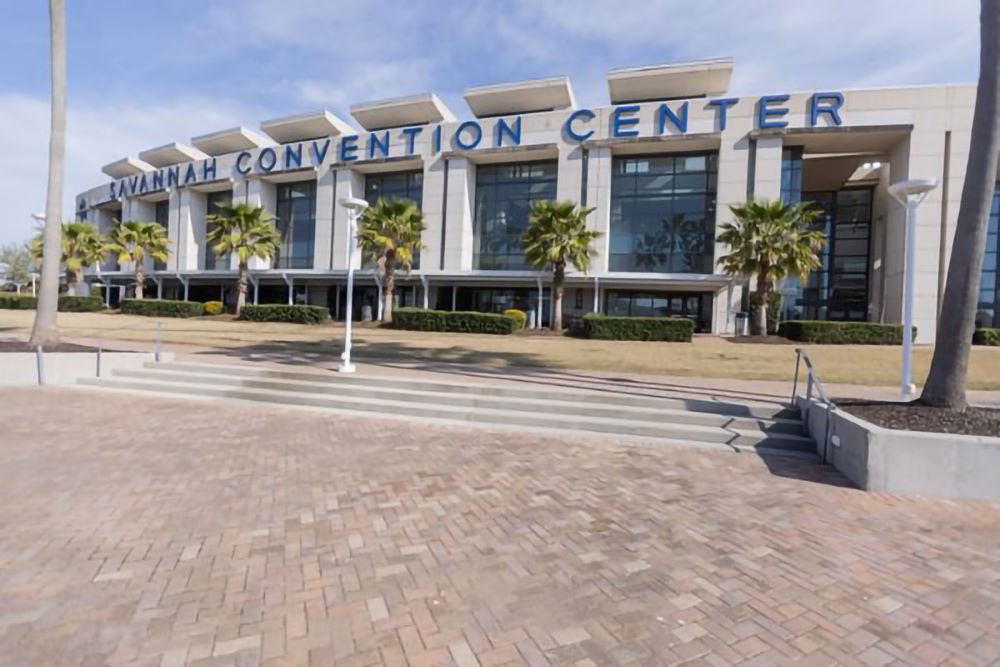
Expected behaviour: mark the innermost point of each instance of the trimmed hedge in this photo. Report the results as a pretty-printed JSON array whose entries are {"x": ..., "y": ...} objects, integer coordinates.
[
  {"x": 986, "y": 336},
  {"x": 418, "y": 319},
  {"x": 519, "y": 315},
  {"x": 605, "y": 327},
  {"x": 161, "y": 308},
  {"x": 842, "y": 333},
  {"x": 214, "y": 307},
  {"x": 17, "y": 302},
  {"x": 80, "y": 304},
  {"x": 67, "y": 303},
  {"x": 285, "y": 313}
]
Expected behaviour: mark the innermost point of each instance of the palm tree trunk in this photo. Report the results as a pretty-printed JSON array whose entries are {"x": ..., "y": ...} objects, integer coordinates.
[
  {"x": 389, "y": 289},
  {"x": 140, "y": 280},
  {"x": 558, "y": 277},
  {"x": 241, "y": 297},
  {"x": 44, "y": 331},
  {"x": 760, "y": 299},
  {"x": 945, "y": 386}
]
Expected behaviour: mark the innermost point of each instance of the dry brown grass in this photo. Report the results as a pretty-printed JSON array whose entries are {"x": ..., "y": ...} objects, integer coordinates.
[{"x": 706, "y": 357}]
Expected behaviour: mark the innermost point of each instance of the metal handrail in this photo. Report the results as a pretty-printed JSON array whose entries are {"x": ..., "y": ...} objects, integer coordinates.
[{"x": 812, "y": 380}]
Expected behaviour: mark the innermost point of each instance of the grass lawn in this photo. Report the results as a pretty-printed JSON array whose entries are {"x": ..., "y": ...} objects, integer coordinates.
[{"x": 705, "y": 357}]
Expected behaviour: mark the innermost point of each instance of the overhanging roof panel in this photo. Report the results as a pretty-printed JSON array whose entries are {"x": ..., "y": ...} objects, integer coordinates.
[
  {"x": 305, "y": 126},
  {"x": 127, "y": 166},
  {"x": 172, "y": 153},
  {"x": 521, "y": 97},
  {"x": 229, "y": 141},
  {"x": 702, "y": 78},
  {"x": 401, "y": 112}
]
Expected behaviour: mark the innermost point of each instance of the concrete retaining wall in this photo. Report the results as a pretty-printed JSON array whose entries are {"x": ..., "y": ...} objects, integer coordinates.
[
  {"x": 21, "y": 368},
  {"x": 905, "y": 462}
]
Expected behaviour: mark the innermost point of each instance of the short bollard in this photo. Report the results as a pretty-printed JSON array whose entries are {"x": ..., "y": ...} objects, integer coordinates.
[
  {"x": 100, "y": 348},
  {"x": 156, "y": 352},
  {"x": 40, "y": 361}
]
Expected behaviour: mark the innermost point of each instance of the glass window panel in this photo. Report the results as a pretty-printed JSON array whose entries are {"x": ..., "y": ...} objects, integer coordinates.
[{"x": 504, "y": 197}]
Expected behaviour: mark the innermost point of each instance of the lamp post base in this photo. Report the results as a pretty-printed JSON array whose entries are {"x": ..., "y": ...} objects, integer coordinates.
[{"x": 345, "y": 368}]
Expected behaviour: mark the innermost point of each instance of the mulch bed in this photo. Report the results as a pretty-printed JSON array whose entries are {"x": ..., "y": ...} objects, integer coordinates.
[
  {"x": 22, "y": 346},
  {"x": 914, "y": 416}
]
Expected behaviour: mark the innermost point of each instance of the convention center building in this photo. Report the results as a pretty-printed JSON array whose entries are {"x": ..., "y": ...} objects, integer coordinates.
[{"x": 660, "y": 165}]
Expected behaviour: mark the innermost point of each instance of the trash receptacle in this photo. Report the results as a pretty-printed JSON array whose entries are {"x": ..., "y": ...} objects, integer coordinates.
[{"x": 742, "y": 324}]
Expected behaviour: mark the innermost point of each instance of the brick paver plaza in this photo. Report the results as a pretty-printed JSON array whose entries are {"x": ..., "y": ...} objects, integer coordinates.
[{"x": 139, "y": 530}]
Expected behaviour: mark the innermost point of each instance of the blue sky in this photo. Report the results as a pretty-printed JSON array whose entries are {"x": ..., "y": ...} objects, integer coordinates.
[{"x": 145, "y": 73}]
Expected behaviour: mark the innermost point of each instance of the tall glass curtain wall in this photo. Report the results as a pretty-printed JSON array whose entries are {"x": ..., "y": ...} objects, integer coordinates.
[
  {"x": 504, "y": 197},
  {"x": 839, "y": 289},
  {"x": 397, "y": 185},
  {"x": 213, "y": 201},
  {"x": 988, "y": 314},
  {"x": 696, "y": 307},
  {"x": 162, "y": 215},
  {"x": 295, "y": 218},
  {"x": 663, "y": 213}
]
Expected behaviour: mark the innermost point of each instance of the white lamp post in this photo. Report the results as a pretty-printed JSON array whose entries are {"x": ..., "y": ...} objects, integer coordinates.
[
  {"x": 910, "y": 193},
  {"x": 354, "y": 208}
]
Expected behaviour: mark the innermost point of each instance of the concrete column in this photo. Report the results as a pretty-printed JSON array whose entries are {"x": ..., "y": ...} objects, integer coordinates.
[
  {"x": 433, "y": 210},
  {"x": 263, "y": 194},
  {"x": 325, "y": 203},
  {"x": 459, "y": 245},
  {"x": 599, "y": 167}
]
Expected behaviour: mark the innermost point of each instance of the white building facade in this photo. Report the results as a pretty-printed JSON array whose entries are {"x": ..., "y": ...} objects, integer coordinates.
[{"x": 660, "y": 166}]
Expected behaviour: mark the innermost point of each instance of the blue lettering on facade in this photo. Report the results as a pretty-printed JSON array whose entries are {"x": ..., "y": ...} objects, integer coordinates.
[
  {"x": 190, "y": 176},
  {"x": 382, "y": 145},
  {"x": 665, "y": 113},
  {"x": 158, "y": 180},
  {"x": 133, "y": 183},
  {"x": 293, "y": 154},
  {"x": 143, "y": 186},
  {"x": 619, "y": 122},
  {"x": 512, "y": 132},
  {"x": 267, "y": 159},
  {"x": 772, "y": 116},
  {"x": 208, "y": 172},
  {"x": 111, "y": 192},
  {"x": 173, "y": 176},
  {"x": 411, "y": 139},
  {"x": 320, "y": 155},
  {"x": 348, "y": 148},
  {"x": 583, "y": 115},
  {"x": 477, "y": 134},
  {"x": 437, "y": 139},
  {"x": 241, "y": 167},
  {"x": 825, "y": 103},
  {"x": 722, "y": 106}
]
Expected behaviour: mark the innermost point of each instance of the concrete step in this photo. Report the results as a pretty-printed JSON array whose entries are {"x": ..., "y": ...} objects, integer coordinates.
[
  {"x": 629, "y": 427},
  {"x": 538, "y": 387},
  {"x": 553, "y": 403}
]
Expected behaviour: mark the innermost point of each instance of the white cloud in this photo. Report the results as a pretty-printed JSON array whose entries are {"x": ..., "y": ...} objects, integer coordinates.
[{"x": 94, "y": 137}]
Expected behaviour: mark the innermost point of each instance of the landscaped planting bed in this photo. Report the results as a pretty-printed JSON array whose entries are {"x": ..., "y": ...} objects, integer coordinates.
[
  {"x": 842, "y": 333},
  {"x": 68, "y": 303},
  {"x": 604, "y": 327},
  {"x": 161, "y": 308},
  {"x": 418, "y": 319},
  {"x": 914, "y": 416},
  {"x": 285, "y": 313},
  {"x": 986, "y": 336}
]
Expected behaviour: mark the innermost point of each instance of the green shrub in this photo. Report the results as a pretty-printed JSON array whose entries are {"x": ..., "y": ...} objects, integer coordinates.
[
  {"x": 80, "y": 304},
  {"x": 519, "y": 315},
  {"x": 285, "y": 313},
  {"x": 843, "y": 333},
  {"x": 95, "y": 290},
  {"x": 17, "y": 302},
  {"x": 214, "y": 307},
  {"x": 418, "y": 319},
  {"x": 161, "y": 308},
  {"x": 986, "y": 336},
  {"x": 606, "y": 327}
]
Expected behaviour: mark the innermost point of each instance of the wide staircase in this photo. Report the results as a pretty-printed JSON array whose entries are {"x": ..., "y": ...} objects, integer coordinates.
[{"x": 532, "y": 403}]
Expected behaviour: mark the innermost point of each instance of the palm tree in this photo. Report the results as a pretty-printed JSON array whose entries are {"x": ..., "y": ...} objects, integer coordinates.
[
  {"x": 82, "y": 246},
  {"x": 945, "y": 386},
  {"x": 19, "y": 260},
  {"x": 771, "y": 240},
  {"x": 557, "y": 235},
  {"x": 133, "y": 241},
  {"x": 389, "y": 234},
  {"x": 44, "y": 331},
  {"x": 248, "y": 231}
]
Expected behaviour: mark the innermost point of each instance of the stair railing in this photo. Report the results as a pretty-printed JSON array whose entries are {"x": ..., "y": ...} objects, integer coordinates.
[{"x": 813, "y": 383}]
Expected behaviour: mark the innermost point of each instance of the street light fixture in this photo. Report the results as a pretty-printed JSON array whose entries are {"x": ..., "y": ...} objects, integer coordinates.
[
  {"x": 354, "y": 208},
  {"x": 910, "y": 194}
]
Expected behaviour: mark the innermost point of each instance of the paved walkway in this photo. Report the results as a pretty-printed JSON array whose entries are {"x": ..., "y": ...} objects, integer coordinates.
[{"x": 152, "y": 531}]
